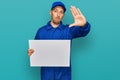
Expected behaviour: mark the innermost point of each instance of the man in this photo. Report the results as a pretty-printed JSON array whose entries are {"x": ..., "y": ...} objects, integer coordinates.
[{"x": 54, "y": 29}]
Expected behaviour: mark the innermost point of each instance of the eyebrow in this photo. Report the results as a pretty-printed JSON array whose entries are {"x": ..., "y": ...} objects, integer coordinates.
[{"x": 57, "y": 9}]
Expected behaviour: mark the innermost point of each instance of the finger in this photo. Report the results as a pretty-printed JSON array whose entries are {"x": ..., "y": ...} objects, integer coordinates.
[
  {"x": 71, "y": 25},
  {"x": 79, "y": 11},
  {"x": 81, "y": 14},
  {"x": 30, "y": 51},
  {"x": 73, "y": 11},
  {"x": 29, "y": 54}
]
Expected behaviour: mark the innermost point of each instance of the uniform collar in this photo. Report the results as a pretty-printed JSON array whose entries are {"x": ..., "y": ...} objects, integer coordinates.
[{"x": 49, "y": 26}]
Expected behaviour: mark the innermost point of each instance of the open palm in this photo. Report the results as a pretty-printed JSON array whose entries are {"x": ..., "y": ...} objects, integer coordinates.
[{"x": 79, "y": 19}]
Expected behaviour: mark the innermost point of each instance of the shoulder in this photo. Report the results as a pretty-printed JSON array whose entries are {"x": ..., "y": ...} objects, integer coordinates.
[{"x": 42, "y": 28}]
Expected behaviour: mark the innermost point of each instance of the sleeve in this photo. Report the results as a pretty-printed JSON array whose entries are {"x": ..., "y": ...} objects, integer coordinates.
[{"x": 77, "y": 31}]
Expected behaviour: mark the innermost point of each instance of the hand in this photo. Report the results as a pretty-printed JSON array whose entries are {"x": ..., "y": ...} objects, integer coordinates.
[
  {"x": 30, "y": 52},
  {"x": 79, "y": 19}
]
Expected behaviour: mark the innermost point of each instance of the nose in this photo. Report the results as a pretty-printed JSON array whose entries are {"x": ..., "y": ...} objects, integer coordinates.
[{"x": 58, "y": 14}]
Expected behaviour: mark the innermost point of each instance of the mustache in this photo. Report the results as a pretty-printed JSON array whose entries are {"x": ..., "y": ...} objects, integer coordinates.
[{"x": 58, "y": 17}]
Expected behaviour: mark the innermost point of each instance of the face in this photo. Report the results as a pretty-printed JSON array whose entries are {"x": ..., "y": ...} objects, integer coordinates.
[{"x": 57, "y": 14}]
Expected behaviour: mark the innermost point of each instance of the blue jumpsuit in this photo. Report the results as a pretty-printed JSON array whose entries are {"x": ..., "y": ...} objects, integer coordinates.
[{"x": 62, "y": 32}]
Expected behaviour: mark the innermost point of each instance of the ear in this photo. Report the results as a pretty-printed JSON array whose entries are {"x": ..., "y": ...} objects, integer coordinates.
[{"x": 50, "y": 12}]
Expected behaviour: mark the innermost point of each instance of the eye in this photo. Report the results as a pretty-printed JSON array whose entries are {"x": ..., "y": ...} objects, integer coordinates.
[
  {"x": 61, "y": 12},
  {"x": 55, "y": 10}
]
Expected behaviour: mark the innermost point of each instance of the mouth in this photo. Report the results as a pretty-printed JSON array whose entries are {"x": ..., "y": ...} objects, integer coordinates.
[{"x": 58, "y": 18}]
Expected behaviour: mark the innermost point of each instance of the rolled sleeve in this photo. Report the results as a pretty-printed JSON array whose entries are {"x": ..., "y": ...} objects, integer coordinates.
[{"x": 77, "y": 31}]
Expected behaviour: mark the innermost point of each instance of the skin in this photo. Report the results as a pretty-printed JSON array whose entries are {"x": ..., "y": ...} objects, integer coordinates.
[{"x": 57, "y": 14}]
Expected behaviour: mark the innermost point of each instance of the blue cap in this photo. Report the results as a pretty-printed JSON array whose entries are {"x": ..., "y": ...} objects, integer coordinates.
[{"x": 58, "y": 4}]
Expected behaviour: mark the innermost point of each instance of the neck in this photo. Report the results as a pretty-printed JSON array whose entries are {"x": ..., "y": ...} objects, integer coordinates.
[{"x": 55, "y": 25}]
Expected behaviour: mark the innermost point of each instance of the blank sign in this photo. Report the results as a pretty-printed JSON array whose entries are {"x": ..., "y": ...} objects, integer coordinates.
[{"x": 50, "y": 53}]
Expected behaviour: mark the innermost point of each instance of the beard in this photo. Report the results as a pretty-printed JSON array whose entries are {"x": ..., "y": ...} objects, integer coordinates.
[{"x": 56, "y": 22}]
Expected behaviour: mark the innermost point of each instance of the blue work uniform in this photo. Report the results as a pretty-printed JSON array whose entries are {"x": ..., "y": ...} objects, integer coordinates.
[{"x": 62, "y": 32}]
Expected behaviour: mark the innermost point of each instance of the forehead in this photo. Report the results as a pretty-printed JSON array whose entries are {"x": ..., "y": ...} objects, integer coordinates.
[{"x": 58, "y": 8}]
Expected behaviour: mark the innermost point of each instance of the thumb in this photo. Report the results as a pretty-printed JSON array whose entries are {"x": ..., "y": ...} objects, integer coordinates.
[{"x": 71, "y": 25}]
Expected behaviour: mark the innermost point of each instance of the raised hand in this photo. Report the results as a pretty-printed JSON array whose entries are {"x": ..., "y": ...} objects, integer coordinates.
[{"x": 79, "y": 19}]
